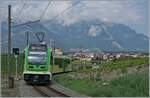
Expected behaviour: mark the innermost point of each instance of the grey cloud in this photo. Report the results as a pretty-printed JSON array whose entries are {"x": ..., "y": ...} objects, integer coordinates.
[{"x": 111, "y": 11}]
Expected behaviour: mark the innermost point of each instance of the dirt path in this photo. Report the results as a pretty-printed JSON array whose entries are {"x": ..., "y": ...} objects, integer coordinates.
[
  {"x": 21, "y": 89},
  {"x": 27, "y": 90}
]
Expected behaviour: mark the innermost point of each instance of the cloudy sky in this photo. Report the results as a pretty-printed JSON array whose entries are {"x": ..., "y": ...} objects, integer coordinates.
[{"x": 130, "y": 12}]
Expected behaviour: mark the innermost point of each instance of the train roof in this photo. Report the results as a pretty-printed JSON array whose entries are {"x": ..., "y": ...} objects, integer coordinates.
[
  {"x": 38, "y": 47},
  {"x": 38, "y": 43}
]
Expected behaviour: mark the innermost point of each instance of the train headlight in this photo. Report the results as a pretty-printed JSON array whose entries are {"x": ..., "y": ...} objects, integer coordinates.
[
  {"x": 36, "y": 76},
  {"x": 46, "y": 77}
]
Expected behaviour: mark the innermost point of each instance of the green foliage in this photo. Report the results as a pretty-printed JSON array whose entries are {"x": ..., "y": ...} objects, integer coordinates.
[{"x": 127, "y": 86}]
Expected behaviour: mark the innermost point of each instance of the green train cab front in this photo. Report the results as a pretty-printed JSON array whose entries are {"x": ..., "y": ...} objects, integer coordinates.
[{"x": 37, "y": 64}]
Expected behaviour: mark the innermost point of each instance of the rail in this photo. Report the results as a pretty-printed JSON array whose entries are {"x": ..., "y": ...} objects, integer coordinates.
[{"x": 47, "y": 91}]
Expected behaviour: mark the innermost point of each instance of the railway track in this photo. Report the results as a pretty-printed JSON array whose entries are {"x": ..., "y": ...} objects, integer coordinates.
[
  {"x": 58, "y": 73},
  {"x": 48, "y": 91}
]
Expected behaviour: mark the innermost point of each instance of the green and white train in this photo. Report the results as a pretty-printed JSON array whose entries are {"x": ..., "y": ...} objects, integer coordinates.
[{"x": 37, "y": 63}]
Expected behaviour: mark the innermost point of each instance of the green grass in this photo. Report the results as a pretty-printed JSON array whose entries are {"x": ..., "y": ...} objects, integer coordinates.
[
  {"x": 75, "y": 62},
  {"x": 126, "y": 86},
  {"x": 124, "y": 63},
  {"x": 119, "y": 63},
  {"x": 4, "y": 65}
]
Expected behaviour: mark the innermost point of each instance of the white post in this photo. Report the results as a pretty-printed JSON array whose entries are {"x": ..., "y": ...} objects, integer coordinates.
[{"x": 16, "y": 67}]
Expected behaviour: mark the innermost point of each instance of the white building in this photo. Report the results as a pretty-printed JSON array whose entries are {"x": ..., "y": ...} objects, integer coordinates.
[
  {"x": 134, "y": 55},
  {"x": 58, "y": 51},
  {"x": 118, "y": 56}
]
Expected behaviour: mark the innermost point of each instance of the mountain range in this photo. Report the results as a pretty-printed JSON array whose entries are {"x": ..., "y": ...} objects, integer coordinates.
[{"x": 87, "y": 34}]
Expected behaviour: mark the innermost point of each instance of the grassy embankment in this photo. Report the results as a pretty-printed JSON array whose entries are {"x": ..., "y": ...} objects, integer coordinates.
[{"x": 126, "y": 86}]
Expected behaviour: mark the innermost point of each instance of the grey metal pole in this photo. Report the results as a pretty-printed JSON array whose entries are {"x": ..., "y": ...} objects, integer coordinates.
[
  {"x": 16, "y": 57},
  {"x": 81, "y": 57},
  {"x": 53, "y": 56},
  {"x": 71, "y": 61},
  {"x": 10, "y": 79},
  {"x": 9, "y": 38},
  {"x": 27, "y": 38}
]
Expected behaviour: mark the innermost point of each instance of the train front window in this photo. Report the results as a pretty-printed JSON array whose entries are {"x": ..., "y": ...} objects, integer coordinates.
[
  {"x": 37, "y": 55},
  {"x": 37, "y": 58}
]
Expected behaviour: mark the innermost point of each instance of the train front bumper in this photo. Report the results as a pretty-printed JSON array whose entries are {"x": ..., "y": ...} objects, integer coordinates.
[{"x": 37, "y": 77}]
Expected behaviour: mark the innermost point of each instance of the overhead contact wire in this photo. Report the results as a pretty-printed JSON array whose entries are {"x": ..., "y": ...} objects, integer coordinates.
[
  {"x": 45, "y": 10},
  {"x": 64, "y": 11}
]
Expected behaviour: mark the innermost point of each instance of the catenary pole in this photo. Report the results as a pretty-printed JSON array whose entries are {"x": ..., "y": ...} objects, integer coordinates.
[
  {"x": 10, "y": 78},
  {"x": 27, "y": 40}
]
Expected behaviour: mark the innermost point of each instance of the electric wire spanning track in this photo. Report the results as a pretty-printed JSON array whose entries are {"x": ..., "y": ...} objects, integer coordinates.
[{"x": 48, "y": 91}]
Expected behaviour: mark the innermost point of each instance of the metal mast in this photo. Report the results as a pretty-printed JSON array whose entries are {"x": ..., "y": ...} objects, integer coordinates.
[{"x": 10, "y": 79}]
